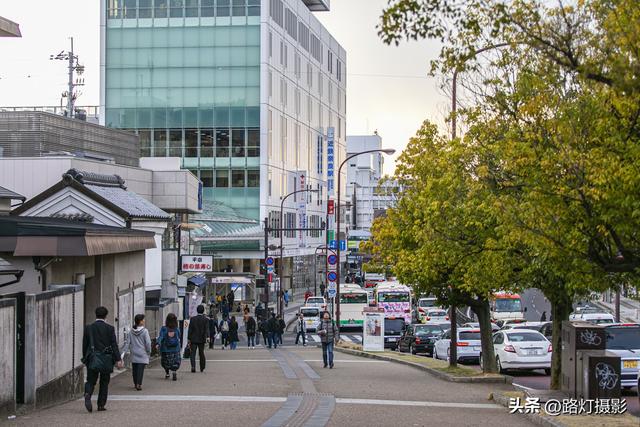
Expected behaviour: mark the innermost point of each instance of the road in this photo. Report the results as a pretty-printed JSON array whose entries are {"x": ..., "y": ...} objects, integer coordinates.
[
  {"x": 535, "y": 303},
  {"x": 287, "y": 386}
]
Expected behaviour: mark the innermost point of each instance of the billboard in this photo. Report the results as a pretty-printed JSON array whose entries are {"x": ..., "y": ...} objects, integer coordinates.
[{"x": 373, "y": 330}]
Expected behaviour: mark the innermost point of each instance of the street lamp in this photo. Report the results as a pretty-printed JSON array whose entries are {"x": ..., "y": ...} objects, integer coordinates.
[
  {"x": 388, "y": 151},
  {"x": 281, "y": 267}
]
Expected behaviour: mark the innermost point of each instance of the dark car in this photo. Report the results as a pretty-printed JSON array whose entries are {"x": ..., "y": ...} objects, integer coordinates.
[
  {"x": 393, "y": 328},
  {"x": 419, "y": 338}
]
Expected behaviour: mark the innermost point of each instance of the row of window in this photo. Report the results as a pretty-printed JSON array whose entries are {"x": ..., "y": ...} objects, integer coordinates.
[
  {"x": 132, "y": 9},
  {"x": 159, "y": 118},
  {"x": 225, "y": 178},
  {"x": 290, "y": 221},
  {"x": 205, "y": 143}
]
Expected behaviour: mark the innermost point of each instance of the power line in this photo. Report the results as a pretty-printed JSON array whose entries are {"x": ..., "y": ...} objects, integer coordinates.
[{"x": 390, "y": 76}]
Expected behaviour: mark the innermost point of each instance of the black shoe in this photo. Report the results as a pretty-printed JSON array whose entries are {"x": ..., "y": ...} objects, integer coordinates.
[
  {"x": 202, "y": 370},
  {"x": 331, "y": 366},
  {"x": 101, "y": 408},
  {"x": 193, "y": 369},
  {"x": 325, "y": 365},
  {"x": 87, "y": 402},
  {"x": 175, "y": 376}
]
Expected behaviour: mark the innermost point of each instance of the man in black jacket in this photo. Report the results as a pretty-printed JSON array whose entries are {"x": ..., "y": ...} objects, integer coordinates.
[
  {"x": 198, "y": 333},
  {"x": 102, "y": 337},
  {"x": 272, "y": 329}
]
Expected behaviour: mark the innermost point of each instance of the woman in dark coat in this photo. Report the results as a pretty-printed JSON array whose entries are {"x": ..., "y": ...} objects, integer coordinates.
[
  {"x": 233, "y": 333},
  {"x": 169, "y": 344}
]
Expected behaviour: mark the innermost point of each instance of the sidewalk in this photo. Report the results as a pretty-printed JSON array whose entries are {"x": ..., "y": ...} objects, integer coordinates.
[{"x": 629, "y": 309}]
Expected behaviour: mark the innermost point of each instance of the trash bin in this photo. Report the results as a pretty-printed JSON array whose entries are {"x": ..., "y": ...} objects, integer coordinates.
[
  {"x": 578, "y": 336},
  {"x": 600, "y": 375}
]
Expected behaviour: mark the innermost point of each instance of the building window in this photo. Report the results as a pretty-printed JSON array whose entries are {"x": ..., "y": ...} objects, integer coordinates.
[
  {"x": 330, "y": 61},
  {"x": 222, "y": 178},
  {"x": 161, "y": 8},
  {"x": 129, "y": 10},
  {"x": 191, "y": 142},
  {"x": 253, "y": 142},
  {"x": 253, "y": 8},
  {"x": 270, "y": 45},
  {"x": 175, "y": 142},
  {"x": 237, "y": 143},
  {"x": 223, "y": 8},
  {"x": 207, "y": 8},
  {"x": 191, "y": 8},
  {"x": 114, "y": 9},
  {"x": 237, "y": 178},
  {"x": 144, "y": 136},
  {"x": 145, "y": 9},
  {"x": 253, "y": 178},
  {"x": 206, "y": 143},
  {"x": 159, "y": 143},
  {"x": 222, "y": 142},
  {"x": 206, "y": 176},
  {"x": 177, "y": 10}
]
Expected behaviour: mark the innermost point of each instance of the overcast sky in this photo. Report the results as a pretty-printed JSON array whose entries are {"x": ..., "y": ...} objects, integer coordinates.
[{"x": 387, "y": 87}]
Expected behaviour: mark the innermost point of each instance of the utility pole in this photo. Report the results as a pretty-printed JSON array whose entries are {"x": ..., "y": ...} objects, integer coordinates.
[
  {"x": 73, "y": 67},
  {"x": 267, "y": 283}
]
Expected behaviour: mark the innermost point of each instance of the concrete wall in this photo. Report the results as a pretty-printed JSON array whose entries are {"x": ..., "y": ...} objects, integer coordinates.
[
  {"x": 156, "y": 315},
  {"x": 7, "y": 356},
  {"x": 175, "y": 190}
]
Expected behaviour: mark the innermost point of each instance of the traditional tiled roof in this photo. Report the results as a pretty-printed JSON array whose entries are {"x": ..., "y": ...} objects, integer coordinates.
[{"x": 135, "y": 205}]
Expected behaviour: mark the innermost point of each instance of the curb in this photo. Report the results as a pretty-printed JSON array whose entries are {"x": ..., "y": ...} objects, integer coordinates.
[
  {"x": 537, "y": 419},
  {"x": 503, "y": 379}
]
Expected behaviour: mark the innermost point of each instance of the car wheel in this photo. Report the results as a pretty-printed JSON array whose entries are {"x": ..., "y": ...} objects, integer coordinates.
[
  {"x": 499, "y": 365},
  {"x": 547, "y": 371}
]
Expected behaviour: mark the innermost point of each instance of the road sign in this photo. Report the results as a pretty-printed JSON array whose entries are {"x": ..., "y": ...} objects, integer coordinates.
[
  {"x": 269, "y": 261},
  {"x": 332, "y": 285},
  {"x": 343, "y": 245},
  {"x": 332, "y": 276},
  {"x": 332, "y": 293},
  {"x": 330, "y": 207},
  {"x": 333, "y": 244},
  {"x": 332, "y": 259}
]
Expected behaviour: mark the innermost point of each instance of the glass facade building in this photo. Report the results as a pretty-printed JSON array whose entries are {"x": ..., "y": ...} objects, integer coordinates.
[{"x": 243, "y": 91}]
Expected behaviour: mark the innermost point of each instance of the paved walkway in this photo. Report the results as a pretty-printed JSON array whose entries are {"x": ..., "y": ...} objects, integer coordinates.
[
  {"x": 289, "y": 387},
  {"x": 629, "y": 309}
]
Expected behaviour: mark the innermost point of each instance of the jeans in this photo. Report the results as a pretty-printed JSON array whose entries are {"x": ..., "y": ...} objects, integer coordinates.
[
  {"x": 233, "y": 345},
  {"x": 265, "y": 338},
  {"x": 203, "y": 360},
  {"x": 304, "y": 337},
  {"x": 273, "y": 340},
  {"x": 251, "y": 340},
  {"x": 137, "y": 370},
  {"x": 327, "y": 353},
  {"x": 257, "y": 338},
  {"x": 225, "y": 335},
  {"x": 279, "y": 338},
  {"x": 92, "y": 378}
]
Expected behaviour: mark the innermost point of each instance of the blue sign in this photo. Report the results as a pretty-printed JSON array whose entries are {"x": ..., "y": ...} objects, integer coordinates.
[
  {"x": 332, "y": 259},
  {"x": 200, "y": 195},
  {"x": 332, "y": 276},
  {"x": 332, "y": 293},
  {"x": 343, "y": 245},
  {"x": 333, "y": 244},
  {"x": 269, "y": 261},
  {"x": 330, "y": 160}
]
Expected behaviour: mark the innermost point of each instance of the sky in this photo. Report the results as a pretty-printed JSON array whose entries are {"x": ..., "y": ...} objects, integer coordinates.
[{"x": 387, "y": 86}]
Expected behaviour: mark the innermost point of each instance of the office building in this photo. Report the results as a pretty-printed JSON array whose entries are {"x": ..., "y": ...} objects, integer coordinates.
[{"x": 244, "y": 92}]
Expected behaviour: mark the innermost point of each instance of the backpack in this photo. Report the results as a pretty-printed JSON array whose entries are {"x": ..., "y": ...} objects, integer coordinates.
[
  {"x": 225, "y": 326},
  {"x": 171, "y": 342}
]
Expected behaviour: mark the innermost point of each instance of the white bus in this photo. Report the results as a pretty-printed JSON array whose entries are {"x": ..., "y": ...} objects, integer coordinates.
[
  {"x": 353, "y": 299},
  {"x": 395, "y": 298}
]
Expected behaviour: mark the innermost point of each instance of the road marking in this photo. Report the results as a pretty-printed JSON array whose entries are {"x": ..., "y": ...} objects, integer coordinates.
[
  {"x": 286, "y": 411},
  {"x": 418, "y": 403},
  {"x": 316, "y": 338},
  {"x": 165, "y": 398}
]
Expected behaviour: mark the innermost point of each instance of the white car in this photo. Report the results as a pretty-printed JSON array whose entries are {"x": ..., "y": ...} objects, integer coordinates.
[
  {"x": 436, "y": 315},
  {"x": 318, "y": 302},
  {"x": 623, "y": 339},
  {"x": 476, "y": 325},
  {"x": 532, "y": 326},
  {"x": 522, "y": 349},
  {"x": 469, "y": 346},
  {"x": 311, "y": 317}
]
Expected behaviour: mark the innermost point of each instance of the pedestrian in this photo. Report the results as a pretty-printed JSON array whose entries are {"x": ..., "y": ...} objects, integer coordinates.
[
  {"x": 169, "y": 344},
  {"x": 138, "y": 343},
  {"x": 272, "y": 330},
  {"x": 307, "y": 295},
  {"x": 233, "y": 333},
  {"x": 99, "y": 354},
  {"x": 198, "y": 333},
  {"x": 327, "y": 332},
  {"x": 230, "y": 299},
  {"x": 281, "y": 327},
  {"x": 322, "y": 288},
  {"x": 224, "y": 308},
  {"x": 543, "y": 318},
  {"x": 264, "y": 330},
  {"x": 301, "y": 329},
  {"x": 224, "y": 332},
  {"x": 258, "y": 312},
  {"x": 286, "y": 298},
  {"x": 250, "y": 326},
  {"x": 213, "y": 330}
]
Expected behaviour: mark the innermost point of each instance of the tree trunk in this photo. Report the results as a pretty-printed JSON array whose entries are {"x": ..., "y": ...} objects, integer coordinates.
[
  {"x": 561, "y": 306},
  {"x": 453, "y": 344},
  {"x": 481, "y": 309}
]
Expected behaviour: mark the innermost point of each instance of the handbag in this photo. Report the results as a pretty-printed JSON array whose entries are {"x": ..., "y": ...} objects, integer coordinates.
[
  {"x": 187, "y": 352},
  {"x": 218, "y": 335},
  {"x": 101, "y": 361}
]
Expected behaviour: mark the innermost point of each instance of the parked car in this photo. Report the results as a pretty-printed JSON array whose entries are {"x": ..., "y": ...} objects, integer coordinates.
[
  {"x": 311, "y": 317},
  {"x": 469, "y": 346},
  {"x": 475, "y": 325},
  {"x": 422, "y": 305},
  {"x": 597, "y": 318},
  {"x": 623, "y": 339},
  {"x": 318, "y": 302},
  {"x": 436, "y": 315},
  {"x": 532, "y": 326},
  {"x": 393, "y": 329},
  {"x": 419, "y": 338},
  {"x": 522, "y": 349}
]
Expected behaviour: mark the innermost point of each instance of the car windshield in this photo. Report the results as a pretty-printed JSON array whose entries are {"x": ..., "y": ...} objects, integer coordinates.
[
  {"x": 530, "y": 327},
  {"x": 468, "y": 335},
  {"x": 525, "y": 337},
  {"x": 310, "y": 312},
  {"x": 619, "y": 338},
  {"x": 393, "y": 326},
  {"x": 359, "y": 298},
  {"x": 393, "y": 297},
  {"x": 599, "y": 321},
  {"x": 508, "y": 304},
  {"x": 437, "y": 313},
  {"x": 315, "y": 301},
  {"x": 426, "y": 303},
  {"x": 428, "y": 330}
]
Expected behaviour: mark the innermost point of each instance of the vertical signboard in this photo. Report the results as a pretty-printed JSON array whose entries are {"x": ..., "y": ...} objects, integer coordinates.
[
  {"x": 301, "y": 181},
  {"x": 330, "y": 160},
  {"x": 373, "y": 330}
]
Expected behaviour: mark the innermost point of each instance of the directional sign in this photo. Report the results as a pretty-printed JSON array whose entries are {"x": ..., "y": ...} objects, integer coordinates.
[
  {"x": 333, "y": 244},
  {"x": 332, "y": 276},
  {"x": 332, "y": 285},
  {"x": 343, "y": 245},
  {"x": 332, "y": 293},
  {"x": 269, "y": 261},
  {"x": 332, "y": 259}
]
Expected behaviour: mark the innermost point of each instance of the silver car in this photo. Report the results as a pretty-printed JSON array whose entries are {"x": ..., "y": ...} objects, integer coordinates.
[{"x": 624, "y": 340}]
